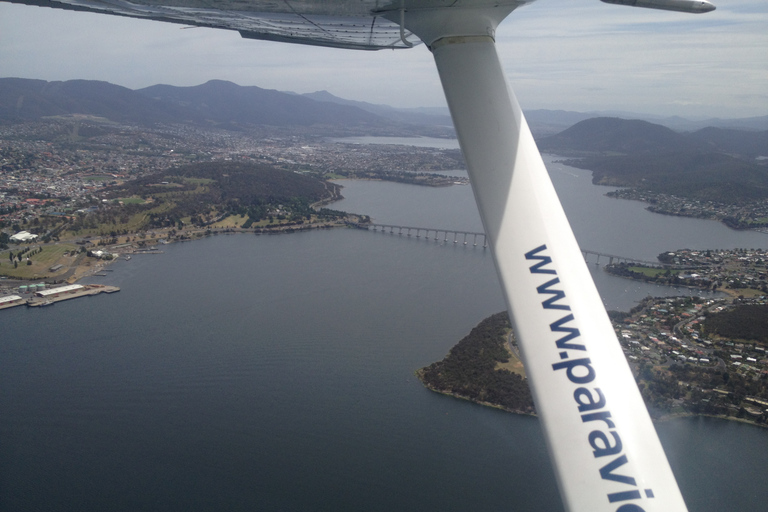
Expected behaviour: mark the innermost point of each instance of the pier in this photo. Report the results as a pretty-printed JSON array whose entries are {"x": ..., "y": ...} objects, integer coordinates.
[
  {"x": 479, "y": 239},
  {"x": 52, "y": 295}
]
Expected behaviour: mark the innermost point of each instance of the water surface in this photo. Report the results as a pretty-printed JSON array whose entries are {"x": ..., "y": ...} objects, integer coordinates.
[{"x": 277, "y": 373}]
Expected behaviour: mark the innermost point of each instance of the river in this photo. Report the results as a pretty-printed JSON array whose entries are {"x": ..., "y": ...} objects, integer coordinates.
[{"x": 276, "y": 373}]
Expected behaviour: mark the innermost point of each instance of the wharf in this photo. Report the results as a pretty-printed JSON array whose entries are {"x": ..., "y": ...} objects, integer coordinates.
[
  {"x": 11, "y": 301},
  {"x": 87, "y": 290}
]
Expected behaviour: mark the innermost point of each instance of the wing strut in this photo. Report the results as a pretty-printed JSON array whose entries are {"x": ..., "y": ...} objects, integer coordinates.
[{"x": 604, "y": 448}]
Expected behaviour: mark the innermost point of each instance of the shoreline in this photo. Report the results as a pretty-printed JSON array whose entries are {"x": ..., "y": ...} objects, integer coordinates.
[
  {"x": 83, "y": 269},
  {"x": 468, "y": 399},
  {"x": 83, "y": 266},
  {"x": 660, "y": 419}
]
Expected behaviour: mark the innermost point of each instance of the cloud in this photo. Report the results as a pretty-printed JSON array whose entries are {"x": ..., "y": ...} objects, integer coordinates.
[
  {"x": 639, "y": 59},
  {"x": 557, "y": 53}
]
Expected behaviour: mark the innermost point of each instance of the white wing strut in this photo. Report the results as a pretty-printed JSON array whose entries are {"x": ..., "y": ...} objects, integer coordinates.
[{"x": 605, "y": 451}]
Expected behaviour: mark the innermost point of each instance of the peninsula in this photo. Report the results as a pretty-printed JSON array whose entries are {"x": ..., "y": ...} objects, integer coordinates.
[
  {"x": 182, "y": 203},
  {"x": 689, "y": 355}
]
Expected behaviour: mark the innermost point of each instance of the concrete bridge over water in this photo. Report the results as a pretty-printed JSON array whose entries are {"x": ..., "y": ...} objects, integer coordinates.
[{"x": 476, "y": 239}]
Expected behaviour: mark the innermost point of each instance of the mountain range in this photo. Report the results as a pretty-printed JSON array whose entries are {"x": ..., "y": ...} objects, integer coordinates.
[
  {"x": 713, "y": 163},
  {"x": 215, "y": 103},
  {"x": 227, "y": 105}
]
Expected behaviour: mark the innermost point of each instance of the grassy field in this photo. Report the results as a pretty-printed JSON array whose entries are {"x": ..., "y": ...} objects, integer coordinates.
[
  {"x": 514, "y": 365},
  {"x": 131, "y": 200},
  {"x": 748, "y": 293},
  {"x": 650, "y": 272},
  {"x": 197, "y": 181},
  {"x": 51, "y": 255},
  {"x": 233, "y": 221}
]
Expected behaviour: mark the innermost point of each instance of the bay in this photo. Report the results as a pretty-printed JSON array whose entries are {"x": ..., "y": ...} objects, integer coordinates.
[
  {"x": 276, "y": 373},
  {"x": 601, "y": 224}
]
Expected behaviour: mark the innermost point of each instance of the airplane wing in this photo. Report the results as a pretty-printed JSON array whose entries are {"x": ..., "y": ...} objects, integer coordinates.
[
  {"x": 343, "y": 24},
  {"x": 603, "y": 446}
]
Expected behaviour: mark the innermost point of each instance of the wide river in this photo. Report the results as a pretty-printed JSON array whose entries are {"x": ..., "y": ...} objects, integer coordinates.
[{"x": 276, "y": 373}]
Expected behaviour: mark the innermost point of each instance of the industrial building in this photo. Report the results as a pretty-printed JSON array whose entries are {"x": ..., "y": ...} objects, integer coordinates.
[
  {"x": 56, "y": 292},
  {"x": 10, "y": 300}
]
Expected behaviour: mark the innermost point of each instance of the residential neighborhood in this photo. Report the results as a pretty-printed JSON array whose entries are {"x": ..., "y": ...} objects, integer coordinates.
[
  {"x": 683, "y": 365},
  {"x": 743, "y": 271},
  {"x": 61, "y": 167}
]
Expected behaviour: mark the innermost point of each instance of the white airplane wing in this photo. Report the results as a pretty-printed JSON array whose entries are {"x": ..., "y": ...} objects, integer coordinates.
[
  {"x": 603, "y": 446},
  {"x": 341, "y": 24}
]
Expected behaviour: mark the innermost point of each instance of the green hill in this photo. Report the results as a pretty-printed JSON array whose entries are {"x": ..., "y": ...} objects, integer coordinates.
[
  {"x": 694, "y": 175},
  {"x": 748, "y": 322},
  {"x": 712, "y": 164}
]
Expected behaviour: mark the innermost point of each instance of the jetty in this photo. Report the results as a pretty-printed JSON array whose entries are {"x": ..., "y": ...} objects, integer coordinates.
[
  {"x": 52, "y": 295},
  {"x": 73, "y": 291}
]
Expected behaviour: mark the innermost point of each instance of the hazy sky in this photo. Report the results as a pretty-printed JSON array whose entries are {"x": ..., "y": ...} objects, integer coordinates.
[{"x": 559, "y": 54}]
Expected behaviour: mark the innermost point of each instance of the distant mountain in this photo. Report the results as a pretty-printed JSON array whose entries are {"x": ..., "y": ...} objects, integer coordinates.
[
  {"x": 614, "y": 135},
  {"x": 225, "y": 102},
  {"x": 712, "y": 164},
  {"x": 759, "y": 123},
  {"x": 747, "y": 144},
  {"x": 216, "y": 103},
  {"x": 22, "y": 99},
  {"x": 228, "y": 105},
  {"x": 548, "y": 122},
  {"x": 425, "y": 117}
]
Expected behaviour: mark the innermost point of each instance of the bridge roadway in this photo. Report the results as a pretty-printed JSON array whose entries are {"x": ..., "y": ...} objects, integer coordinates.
[{"x": 467, "y": 237}]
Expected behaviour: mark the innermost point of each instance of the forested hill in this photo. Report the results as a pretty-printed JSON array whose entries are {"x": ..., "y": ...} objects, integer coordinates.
[
  {"x": 203, "y": 191},
  {"x": 746, "y": 322},
  {"x": 234, "y": 181},
  {"x": 470, "y": 370},
  {"x": 611, "y": 135},
  {"x": 695, "y": 175},
  {"x": 712, "y": 164}
]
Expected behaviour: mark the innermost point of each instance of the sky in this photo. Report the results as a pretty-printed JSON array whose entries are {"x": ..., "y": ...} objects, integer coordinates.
[{"x": 580, "y": 55}]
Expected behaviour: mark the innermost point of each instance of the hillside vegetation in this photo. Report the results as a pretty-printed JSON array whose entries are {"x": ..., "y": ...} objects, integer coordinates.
[
  {"x": 202, "y": 194},
  {"x": 696, "y": 175},
  {"x": 712, "y": 164},
  {"x": 470, "y": 370},
  {"x": 747, "y": 322}
]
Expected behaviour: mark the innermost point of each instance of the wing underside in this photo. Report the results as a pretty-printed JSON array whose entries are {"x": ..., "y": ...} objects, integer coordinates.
[
  {"x": 353, "y": 24},
  {"x": 275, "y": 21}
]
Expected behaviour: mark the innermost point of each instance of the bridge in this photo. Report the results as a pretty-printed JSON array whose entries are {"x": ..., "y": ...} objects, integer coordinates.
[
  {"x": 444, "y": 235},
  {"x": 475, "y": 239}
]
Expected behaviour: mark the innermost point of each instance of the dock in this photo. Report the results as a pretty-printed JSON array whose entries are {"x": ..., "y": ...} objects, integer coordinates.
[
  {"x": 50, "y": 296},
  {"x": 11, "y": 301},
  {"x": 47, "y": 297}
]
